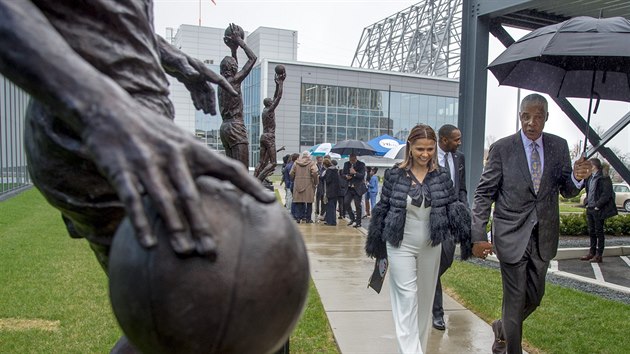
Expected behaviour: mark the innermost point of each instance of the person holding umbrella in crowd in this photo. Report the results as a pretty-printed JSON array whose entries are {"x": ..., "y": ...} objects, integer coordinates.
[{"x": 354, "y": 173}]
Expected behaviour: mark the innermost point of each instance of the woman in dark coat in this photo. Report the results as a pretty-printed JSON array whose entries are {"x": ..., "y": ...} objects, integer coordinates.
[
  {"x": 332, "y": 190},
  {"x": 418, "y": 209}
]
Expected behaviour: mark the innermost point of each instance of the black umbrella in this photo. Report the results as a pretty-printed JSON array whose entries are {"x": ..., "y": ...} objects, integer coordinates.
[
  {"x": 582, "y": 57},
  {"x": 357, "y": 147}
]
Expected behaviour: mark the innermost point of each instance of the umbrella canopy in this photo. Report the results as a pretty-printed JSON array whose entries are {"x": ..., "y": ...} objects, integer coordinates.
[
  {"x": 562, "y": 59},
  {"x": 383, "y": 144},
  {"x": 582, "y": 57},
  {"x": 320, "y": 149},
  {"x": 357, "y": 147},
  {"x": 397, "y": 152}
]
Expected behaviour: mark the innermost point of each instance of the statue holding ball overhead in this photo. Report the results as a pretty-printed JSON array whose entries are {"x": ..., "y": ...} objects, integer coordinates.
[
  {"x": 267, "y": 162},
  {"x": 233, "y": 131}
]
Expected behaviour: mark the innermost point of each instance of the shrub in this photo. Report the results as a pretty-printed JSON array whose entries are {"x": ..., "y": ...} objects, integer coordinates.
[
  {"x": 576, "y": 225},
  {"x": 613, "y": 226},
  {"x": 573, "y": 224}
]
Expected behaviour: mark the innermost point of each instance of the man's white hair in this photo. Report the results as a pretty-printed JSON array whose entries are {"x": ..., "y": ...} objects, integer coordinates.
[{"x": 305, "y": 153}]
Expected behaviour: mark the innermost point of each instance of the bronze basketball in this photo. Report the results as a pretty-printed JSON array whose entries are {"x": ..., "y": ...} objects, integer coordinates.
[
  {"x": 280, "y": 70},
  {"x": 247, "y": 300},
  {"x": 228, "y": 34}
]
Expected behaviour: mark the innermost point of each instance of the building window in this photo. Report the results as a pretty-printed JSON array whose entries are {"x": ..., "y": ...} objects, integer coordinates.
[{"x": 334, "y": 113}]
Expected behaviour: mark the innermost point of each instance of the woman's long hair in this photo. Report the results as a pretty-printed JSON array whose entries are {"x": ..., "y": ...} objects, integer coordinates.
[{"x": 420, "y": 131}]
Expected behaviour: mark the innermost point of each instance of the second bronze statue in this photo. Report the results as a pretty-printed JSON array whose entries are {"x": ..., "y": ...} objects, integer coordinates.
[{"x": 267, "y": 163}]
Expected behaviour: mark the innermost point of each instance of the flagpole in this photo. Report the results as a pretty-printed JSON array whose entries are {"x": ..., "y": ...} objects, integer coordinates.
[{"x": 199, "y": 13}]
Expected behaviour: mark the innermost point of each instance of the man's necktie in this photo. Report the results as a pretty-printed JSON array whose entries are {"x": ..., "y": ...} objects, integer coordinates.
[
  {"x": 446, "y": 165},
  {"x": 536, "y": 168}
]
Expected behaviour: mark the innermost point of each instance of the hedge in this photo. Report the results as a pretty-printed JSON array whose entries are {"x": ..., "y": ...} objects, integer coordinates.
[{"x": 574, "y": 224}]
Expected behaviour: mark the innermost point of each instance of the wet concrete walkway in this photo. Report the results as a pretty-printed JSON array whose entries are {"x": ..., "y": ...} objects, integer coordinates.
[{"x": 360, "y": 318}]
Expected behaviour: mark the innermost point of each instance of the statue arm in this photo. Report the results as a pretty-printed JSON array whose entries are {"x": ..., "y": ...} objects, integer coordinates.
[
  {"x": 194, "y": 75},
  {"x": 277, "y": 96},
  {"x": 137, "y": 150},
  {"x": 241, "y": 75}
]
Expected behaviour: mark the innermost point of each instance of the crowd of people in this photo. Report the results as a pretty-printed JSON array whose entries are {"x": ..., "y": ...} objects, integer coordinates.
[{"x": 317, "y": 182}]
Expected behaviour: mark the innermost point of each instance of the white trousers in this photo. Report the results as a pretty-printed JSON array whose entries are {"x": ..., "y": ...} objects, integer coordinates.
[{"x": 413, "y": 272}]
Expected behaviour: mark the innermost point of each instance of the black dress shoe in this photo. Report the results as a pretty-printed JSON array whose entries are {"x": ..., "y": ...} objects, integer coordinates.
[
  {"x": 357, "y": 225},
  {"x": 350, "y": 223},
  {"x": 498, "y": 346},
  {"x": 438, "y": 323}
]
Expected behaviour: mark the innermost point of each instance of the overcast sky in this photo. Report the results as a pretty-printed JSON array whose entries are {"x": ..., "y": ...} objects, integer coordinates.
[{"x": 329, "y": 32}]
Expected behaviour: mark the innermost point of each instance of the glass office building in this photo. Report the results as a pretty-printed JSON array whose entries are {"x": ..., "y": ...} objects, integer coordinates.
[{"x": 334, "y": 113}]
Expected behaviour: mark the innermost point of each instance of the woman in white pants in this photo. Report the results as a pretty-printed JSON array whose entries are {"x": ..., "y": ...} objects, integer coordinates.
[{"x": 418, "y": 209}]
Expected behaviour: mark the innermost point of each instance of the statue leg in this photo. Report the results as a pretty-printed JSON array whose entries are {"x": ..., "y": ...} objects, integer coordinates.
[{"x": 240, "y": 152}]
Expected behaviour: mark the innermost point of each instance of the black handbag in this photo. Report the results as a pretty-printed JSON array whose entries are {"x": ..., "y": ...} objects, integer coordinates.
[{"x": 378, "y": 275}]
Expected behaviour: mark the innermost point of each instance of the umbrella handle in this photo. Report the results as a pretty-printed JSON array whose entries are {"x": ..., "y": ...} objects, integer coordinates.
[{"x": 596, "y": 102}]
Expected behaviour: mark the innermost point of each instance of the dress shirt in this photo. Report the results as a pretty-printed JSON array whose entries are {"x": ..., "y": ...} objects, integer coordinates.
[{"x": 527, "y": 144}]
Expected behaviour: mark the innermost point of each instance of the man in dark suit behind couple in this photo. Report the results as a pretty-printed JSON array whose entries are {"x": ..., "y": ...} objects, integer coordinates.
[
  {"x": 449, "y": 140},
  {"x": 522, "y": 176}
]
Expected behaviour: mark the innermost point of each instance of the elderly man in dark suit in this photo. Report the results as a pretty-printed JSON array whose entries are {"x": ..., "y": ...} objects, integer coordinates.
[
  {"x": 523, "y": 175},
  {"x": 449, "y": 140}
]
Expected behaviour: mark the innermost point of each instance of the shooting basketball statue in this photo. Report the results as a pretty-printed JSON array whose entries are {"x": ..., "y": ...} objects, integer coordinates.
[
  {"x": 268, "y": 159},
  {"x": 233, "y": 131}
]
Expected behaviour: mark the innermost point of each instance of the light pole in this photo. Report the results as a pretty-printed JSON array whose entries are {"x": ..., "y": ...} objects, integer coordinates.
[{"x": 326, "y": 115}]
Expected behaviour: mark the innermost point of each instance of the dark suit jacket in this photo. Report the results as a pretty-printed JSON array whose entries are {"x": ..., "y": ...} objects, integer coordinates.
[
  {"x": 358, "y": 178},
  {"x": 460, "y": 180},
  {"x": 604, "y": 195},
  {"x": 506, "y": 181}
]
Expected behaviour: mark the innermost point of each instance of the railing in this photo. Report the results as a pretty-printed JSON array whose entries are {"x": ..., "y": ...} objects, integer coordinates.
[{"x": 13, "y": 166}]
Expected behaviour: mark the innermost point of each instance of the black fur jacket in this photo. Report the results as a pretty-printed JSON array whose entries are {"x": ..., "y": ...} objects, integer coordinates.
[{"x": 449, "y": 217}]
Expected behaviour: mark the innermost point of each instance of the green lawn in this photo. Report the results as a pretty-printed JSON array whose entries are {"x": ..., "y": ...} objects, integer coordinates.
[
  {"x": 53, "y": 293},
  {"x": 570, "y": 208},
  {"x": 568, "y": 321}
]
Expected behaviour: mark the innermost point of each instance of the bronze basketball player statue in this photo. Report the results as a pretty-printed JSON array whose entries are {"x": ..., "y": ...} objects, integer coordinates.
[
  {"x": 233, "y": 131},
  {"x": 100, "y": 140},
  {"x": 268, "y": 160}
]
